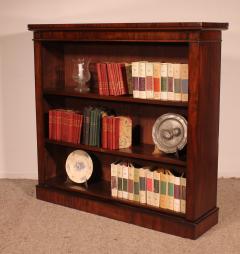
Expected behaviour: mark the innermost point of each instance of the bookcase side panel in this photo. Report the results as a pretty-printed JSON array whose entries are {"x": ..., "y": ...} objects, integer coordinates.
[{"x": 203, "y": 128}]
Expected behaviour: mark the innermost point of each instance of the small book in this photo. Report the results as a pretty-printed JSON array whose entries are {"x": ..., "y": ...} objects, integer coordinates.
[
  {"x": 142, "y": 187},
  {"x": 128, "y": 73},
  {"x": 177, "y": 197},
  {"x": 120, "y": 180},
  {"x": 164, "y": 80},
  {"x": 130, "y": 181},
  {"x": 170, "y": 192},
  {"x": 149, "y": 176},
  {"x": 125, "y": 180},
  {"x": 156, "y": 188},
  {"x": 51, "y": 124},
  {"x": 135, "y": 79},
  {"x": 157, "y": 80},
  {"x": 142, "y": 80},
  {"x": 163, "y": 190},
  {"x": 125, "y": 131},
  {"x": 114, "y": 180},
  {"x": 183, "y": 195},
  {"x": 170, "y": 92},
  {"x": 149, "y": 81},
  {"x": 184, "y": 81},
  {"x": 136, "y": 185},
  {"x": 177, "y": 82}
]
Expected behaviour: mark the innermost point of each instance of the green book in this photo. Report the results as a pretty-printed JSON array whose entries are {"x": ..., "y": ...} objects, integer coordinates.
[
  {"x": 92, "y": 112},
  {"x": 136, "y": 185}
]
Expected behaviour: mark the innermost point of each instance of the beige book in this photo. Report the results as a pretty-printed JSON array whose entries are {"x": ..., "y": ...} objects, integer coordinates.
[
  {"x": 163, "y": 190},
  {"x": 114, "y": 177},
  {"x": 156, "y": 188},
  {"x": 120, "y": 180},
  {"x": 142, "y": 80},
  {"x": 135, "y": 79},
  {"x": 176, "y": 203},
  {"x": 142, "y": 187},
  {"x": 130, "y": 181},
  {"x": 184, "y": 81},
  {"x": 149, "y": 176},
  {"x": 149, "y": 81},
  {"x": 170, "y": 92},
  {"x": 183, "y": 195},
  {"x": 164, "y": 87},
  {"x": 170, "y": 193},
  {"x": 125, "y": 181},
  {"x": 156, "y": 80},
  {"x": 177, "y": 82},
  {"x": 125, "y": 132}
]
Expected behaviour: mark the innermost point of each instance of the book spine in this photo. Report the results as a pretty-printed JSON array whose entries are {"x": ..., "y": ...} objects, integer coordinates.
[
  {"x": 79, "y": 130},
  {"x": 170, "y": 91},
  {"x": 122, "y": 87},
  {"x": 177, "y": 200},
  {"x": 117, "y": 130},
  {"x": 164, "y": 79},
  {"x": 114, "y": 133},
  {"x": 142, "y": 80},
  {"x": 58, "y": 135},
  {"x": 88, "y": 114},
  {"x": 130, "y": 181},
  {"x": 163, "y": 190},
  {"x": 171, "y": 191},
  {"x": 105, "y": 78},
  {"x": 91, "y": 119},
  {"x": 149, "y": 187},
  {"x": 125, "y": 181},
  {"x": 110, "y": 132},
  {"x": 51, "y": 120},
  {"x": 110, "y": 78},
  {"x": 184, "y": 81},
  {"x": 71, "y": 127},
  {"x": 120, "y": 181},
  {"x": 157, "y": 80},
  {"x": 99, "y": 75},
  {"x": 156, "y": 189},
  {"x": 142, "y": 187},
  {"x": 105, "y": 132},
  {"x": 128, "y": 69},
  {"x": 136, "y": 185},
  {"x": 177, "y": 82},
  {"x": 149, "y": 81},
  {"x": 135, "y": 79},
  {"x": 183, "y": 195},
  {"x": 114, "y": 180},
  {"x": 64, "y": 125}
]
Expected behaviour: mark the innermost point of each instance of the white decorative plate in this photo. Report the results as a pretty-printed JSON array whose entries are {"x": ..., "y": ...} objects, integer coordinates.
[{"x": 79, "y": 166}]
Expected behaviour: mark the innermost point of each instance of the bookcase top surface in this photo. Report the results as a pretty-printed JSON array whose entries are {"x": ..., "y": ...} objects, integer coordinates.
[{"x": 131, "y": 26}]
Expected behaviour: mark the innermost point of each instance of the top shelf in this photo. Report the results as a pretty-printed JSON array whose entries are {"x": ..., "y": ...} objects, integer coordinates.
[{"x": 69, "y": 92}]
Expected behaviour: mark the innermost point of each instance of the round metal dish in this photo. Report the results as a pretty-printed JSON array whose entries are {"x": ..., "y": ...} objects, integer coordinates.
[{"x": 169, "y": 132}]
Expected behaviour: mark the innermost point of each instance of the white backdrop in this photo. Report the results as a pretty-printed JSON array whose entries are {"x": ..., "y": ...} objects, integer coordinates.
[{"x": 18, "y": 157}]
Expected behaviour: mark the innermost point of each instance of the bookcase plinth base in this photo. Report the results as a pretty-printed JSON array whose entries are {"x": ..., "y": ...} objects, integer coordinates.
[{"x": 166, "y": 223}]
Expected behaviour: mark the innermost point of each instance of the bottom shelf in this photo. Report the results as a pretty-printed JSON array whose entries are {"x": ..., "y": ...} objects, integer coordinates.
[{"x": 101, "y": 203}]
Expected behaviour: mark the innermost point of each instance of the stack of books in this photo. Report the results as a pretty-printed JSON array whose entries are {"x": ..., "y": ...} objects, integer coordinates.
[
  {"x": 158, "y": 188},
  {"x": 102, "y": 129},
  {"x": 116, "y": 132},
  {"x": 112, "y": 78},
  {"x": 160, "y": 81},
  {"x": 65, "y": 125}
]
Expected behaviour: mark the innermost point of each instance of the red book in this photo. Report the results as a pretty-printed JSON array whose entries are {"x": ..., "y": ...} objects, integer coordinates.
[
  {"x": 79, "y": 128},
  {"x": 117, "y": 125},
  {"x": 115, "y": 78},
  {"x": 120, "y": 77},
  {"x": 58, "y": 131},
  {"x": 99, "y": 75},
  {"x": 105, "y": 79},
  {"x": 65, "y": 126},
  {"x": 75, "y": 128},
  {"x": 113, "y": 133},
  {"x": 110, "y": 132},
  {"x": 105, "y": 132},
  {"x": 110, "y": 79},
  {"x": 124, "y": 78},
  {"x": 50, "y": 124}
]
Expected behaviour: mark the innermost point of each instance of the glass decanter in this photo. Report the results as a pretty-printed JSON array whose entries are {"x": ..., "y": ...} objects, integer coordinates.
[{"x": 81, "y": 74}]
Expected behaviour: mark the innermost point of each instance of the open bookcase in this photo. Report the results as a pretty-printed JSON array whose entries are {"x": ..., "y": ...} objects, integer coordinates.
[{"x": 198, "y": 45}]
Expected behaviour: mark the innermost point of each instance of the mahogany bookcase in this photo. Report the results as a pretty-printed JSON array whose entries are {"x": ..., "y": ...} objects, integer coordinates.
[{"x": 199, "y": 45}]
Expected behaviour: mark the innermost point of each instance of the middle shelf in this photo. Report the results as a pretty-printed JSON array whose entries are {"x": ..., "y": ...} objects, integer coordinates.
[{"x": 142, "y": 151}]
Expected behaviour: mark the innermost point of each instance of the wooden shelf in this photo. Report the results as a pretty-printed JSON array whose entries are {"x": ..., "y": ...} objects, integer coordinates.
[
  {"x": 69, "y": 92},
  {"x": 143, "y": 152},
  {"x": 102, "y": 190}
]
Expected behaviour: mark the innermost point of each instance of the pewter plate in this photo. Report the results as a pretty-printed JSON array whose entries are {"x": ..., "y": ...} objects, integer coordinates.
[
  {"x": 79, "y": 166},
  {"x": 169, "y": 133}
]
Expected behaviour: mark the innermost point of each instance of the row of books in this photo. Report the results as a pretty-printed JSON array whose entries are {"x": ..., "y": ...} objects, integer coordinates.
[
  {"x": 112, "y": 78},
  {"x": 160, "y": 81},
  {"x": 102, "y": 129},
  {"x": 65, "y": 125},
  {"x": 158, "y": 188}
]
